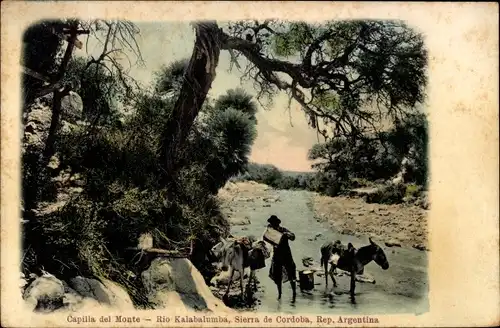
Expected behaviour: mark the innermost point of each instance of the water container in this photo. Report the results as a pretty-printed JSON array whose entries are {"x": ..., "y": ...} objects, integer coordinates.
[
  {"x": 306, "y": 280},
  {"x": 272, "y": 236}
]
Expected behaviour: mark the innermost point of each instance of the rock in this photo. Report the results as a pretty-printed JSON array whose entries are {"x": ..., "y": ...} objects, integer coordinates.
[
  {"x": 239, "y": 221},
  {"x": 67, "y": 128},
  {"x": 266, "y": 205},
  {"x": 30, "y": 127},
  {"x": 392, "y": 243},
  {"x": 145, "y": 241},
  {"x": 105, "y": 292},
  {"x": 45, "y": 294},
  {"x": 420, "y": 247},
  {"x": 71, "y": 107},
  {"x": 271, "y": 199},
  {"x": 243, "y": 199},
  {"x": 176, "y": 283},
  {"x": 54, "y": 162},
  {"x": 423, "y": 201},
  {"x": 22, "y": 281},
  {"x": 72, "y": 300}
]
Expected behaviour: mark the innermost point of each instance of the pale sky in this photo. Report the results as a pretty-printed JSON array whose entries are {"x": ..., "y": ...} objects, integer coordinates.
[{"x": 277, "y": 143}]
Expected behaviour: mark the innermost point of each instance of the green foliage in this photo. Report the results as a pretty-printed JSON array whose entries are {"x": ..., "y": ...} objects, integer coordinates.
[
  {"x": 99, "y": 89},
  {"x": 237, "y": 99},
  {"x": 274, "y": 177},
  {"x": 377, "y": 157},
  {"x": 232, "y": 133},
  {"x": 263, "y": 173},
  {"x": 294, "y": 39},
  {"x": 360, "y": 183},
  {"x": 169, "y": 79},
  {"x": 391, "y": 194},
  {"x": 412, "y": 190},
  {"x": 358, "y": 63}
]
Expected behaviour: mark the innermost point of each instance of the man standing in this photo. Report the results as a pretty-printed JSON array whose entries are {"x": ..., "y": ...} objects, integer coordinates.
[{"x": 282, "y": 266}]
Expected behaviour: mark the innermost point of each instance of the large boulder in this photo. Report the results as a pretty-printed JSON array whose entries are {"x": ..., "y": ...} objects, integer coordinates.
[
  {"x": 49, "y": 294},
  {"x": 37, "y": 125},
  {"x": 105, "y": 292},
  {"x": 71, "y": 107},
  {"x": 45, "y": 294},
  {"x": 177, "y": 284}
]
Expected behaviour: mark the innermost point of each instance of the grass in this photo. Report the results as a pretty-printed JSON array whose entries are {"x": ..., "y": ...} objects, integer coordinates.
[{"x": 412, "y": 190}]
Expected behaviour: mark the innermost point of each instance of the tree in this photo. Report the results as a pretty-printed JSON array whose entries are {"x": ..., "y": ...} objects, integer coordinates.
[
  {"x": 221, "y": 139},
  {"x": 168, "y": 81},
  {"x": 41, "y": 53},
  {"x": 100, "y": 91},
  {"x": 237, "y": 99},
  {"x": 233, "y": 133},
  {"x": 351, "y": 65}
]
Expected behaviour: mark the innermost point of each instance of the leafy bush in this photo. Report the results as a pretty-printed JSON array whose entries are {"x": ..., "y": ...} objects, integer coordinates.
[
  {"x": 412, "y": 190},
  {"x": 264, "y": 173},
  {"x": 391, "y": 194}
]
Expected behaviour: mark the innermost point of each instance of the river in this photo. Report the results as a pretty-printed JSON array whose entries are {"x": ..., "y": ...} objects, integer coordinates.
[{"x": 403, "y": 288}]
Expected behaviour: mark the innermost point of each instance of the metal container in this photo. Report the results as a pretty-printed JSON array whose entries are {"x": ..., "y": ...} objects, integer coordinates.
[
  {"x": 306, "y": 280},
  {"x": 272, "y": 236}
]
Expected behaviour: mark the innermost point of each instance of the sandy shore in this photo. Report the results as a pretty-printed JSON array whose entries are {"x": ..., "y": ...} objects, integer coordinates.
[{"x": 401, "y": 224}]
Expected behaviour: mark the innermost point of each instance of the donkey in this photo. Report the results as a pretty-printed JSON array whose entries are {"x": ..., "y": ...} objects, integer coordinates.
[
  {"x": 350, "y": 259},
  {"x": 236, "y": 257}
]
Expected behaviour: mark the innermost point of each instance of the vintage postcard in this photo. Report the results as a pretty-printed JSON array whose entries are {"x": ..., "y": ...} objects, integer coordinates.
[{"x": 249, "y": 164}]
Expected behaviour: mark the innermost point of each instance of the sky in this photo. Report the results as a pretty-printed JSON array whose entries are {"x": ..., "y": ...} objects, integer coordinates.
[{"x": 278, "y": 141}]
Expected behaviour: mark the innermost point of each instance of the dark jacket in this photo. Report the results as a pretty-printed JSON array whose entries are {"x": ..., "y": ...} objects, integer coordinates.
[{"x": 283, "y": 266}]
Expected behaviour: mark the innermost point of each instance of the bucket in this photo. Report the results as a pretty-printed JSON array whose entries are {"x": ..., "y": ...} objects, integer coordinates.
[{"x": 306, "y": 280}]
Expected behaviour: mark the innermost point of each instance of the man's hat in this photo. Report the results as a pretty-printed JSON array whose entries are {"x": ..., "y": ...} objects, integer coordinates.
[{"x": 274, "y": 219}]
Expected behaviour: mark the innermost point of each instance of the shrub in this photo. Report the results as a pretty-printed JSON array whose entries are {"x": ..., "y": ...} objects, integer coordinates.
[
  {"x": 391, "y": 194},
  {"x": 412, "y": 190},
  {"x": 264, "y": 173}
]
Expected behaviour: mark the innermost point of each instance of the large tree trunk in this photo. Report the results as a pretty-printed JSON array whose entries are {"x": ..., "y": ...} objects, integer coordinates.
[{"x": 197, "y": 82}]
